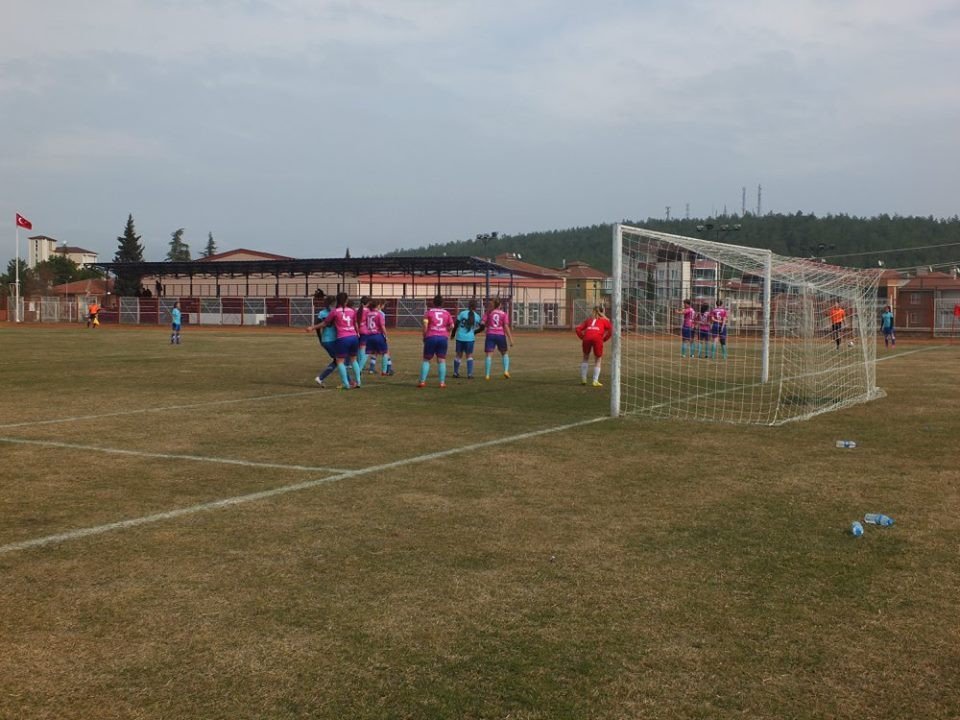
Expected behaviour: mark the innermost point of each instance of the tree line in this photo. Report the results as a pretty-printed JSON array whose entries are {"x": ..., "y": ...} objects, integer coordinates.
[{"x": 893, "y": 240}]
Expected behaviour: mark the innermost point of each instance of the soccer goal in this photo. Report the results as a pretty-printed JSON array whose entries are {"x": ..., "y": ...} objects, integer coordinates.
[{"x": 764, "y": 339}]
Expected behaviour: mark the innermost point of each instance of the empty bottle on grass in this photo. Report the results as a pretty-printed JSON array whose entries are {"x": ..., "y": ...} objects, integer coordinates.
[
  {"x": 846, "y": 444},
  {"x": 856, "y": 529},
  {"x": 878, "y": 519}
]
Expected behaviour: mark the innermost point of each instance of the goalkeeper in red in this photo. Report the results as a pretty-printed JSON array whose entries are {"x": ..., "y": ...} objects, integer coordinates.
[{"x": 594, "y": 332}]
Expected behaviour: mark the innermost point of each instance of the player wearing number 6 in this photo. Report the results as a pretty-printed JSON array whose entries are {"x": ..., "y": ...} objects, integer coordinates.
[
  {"x": 594, "y": 332},
  {"x": 437, "y": 324},
  {"x": 497, "y": 325}
]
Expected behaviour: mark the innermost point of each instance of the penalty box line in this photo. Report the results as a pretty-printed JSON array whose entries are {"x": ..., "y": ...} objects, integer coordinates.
[
  {"x": 167, "y": 456},
  {"x": 263, "y": 495}
]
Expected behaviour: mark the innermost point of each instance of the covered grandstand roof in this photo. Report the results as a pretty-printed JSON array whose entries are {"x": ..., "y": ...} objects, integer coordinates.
[{"x": 330, "y": 266}]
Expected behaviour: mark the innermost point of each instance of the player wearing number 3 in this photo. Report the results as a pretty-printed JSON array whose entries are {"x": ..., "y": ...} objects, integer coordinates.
[
  {"x": 497, "y": 325},
  {"x": 594, "y": 332},
  {"x": 437, "y": 324}
]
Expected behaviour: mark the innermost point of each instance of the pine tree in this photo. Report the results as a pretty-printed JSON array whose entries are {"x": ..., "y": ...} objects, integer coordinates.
[
  {"x": 211, "y": 248},
  {"x": 129, "y": 250},
  {"x": 179, "y": 250}
]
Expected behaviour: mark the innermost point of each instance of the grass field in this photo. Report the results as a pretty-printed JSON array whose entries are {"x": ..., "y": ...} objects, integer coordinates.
[{"x": 200, "y": 532}]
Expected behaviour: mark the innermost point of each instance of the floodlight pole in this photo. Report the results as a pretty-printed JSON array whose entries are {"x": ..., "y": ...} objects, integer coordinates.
[
  {"x": 767, "y": 301},
  {"x": 615, "y": 317}
]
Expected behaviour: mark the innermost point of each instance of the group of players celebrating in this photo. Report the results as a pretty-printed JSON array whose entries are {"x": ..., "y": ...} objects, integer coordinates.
[{"x": 353, "y": 337}]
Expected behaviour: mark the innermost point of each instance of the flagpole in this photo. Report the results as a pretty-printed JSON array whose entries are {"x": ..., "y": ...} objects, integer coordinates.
[{"x": 16, "y": 282}]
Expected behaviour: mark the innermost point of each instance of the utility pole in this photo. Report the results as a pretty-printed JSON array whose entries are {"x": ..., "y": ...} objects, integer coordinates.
[
  {"x": 743, "y": 200},
  {"x": 668, "y": 212},
  {"x": 759, "y": 200},
  {"x": 688, "y": 211}
]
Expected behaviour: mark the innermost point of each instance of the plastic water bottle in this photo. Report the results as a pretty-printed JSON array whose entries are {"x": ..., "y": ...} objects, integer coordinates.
[
  {"x": 878, "y": 519},
  {"x": 856, "y": 529},
  {"x": 846, "y": 444}
]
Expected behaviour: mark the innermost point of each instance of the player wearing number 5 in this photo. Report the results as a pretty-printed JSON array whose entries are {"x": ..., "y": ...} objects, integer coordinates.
[
  {"x": 437, "y": 324},
  {"x": 594, "y": 332},
  {"x": 497, "y": 325}
]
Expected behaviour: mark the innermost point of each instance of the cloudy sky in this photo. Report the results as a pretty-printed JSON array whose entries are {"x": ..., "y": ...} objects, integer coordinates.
[{"x": 304, "y": 127}]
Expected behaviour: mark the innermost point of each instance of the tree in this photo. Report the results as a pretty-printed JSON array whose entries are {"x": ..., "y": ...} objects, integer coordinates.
[
  {"x": 179, "y": 250},
  {"x": 129, "y": 250},
  {"x": 29, "y": 284},
  {"x": 60, "y": 269},
  {"x": 211, "y": 248}
]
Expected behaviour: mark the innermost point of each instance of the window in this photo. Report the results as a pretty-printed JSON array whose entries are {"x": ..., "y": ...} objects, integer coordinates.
[
  {"x": 534, "y": 314},
  {"x": 915, "y": 298},
  {"x": 913, "y": 319},
  {"x": 550, "y": 313},
  {"x": 517, "y": 313}
]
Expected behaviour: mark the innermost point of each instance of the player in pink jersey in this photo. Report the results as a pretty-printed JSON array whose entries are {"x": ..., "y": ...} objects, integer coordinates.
[
  {"x": 437, "y": 323},
  {"x": 362, "y": 331},
  {"x": 344, "y": 319},
  {"x": 376, "y": 324},
  {"x": 496, "y": 324},
  {"x": 718, "y": 329},
  {"x": 686, "y": 328},
  {"x": 703, "y": 319}
]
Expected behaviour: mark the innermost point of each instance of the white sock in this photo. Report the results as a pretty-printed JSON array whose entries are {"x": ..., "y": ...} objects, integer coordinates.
[
  {"x": 596, "y": 373},
  {"x": 583, "y": 371}
]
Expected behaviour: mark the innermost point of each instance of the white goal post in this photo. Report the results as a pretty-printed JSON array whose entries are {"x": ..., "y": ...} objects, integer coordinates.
[{"x": 764, "y": 339}]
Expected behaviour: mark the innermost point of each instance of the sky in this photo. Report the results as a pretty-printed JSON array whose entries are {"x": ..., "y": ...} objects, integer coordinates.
[{"x": 306, "y": 127}]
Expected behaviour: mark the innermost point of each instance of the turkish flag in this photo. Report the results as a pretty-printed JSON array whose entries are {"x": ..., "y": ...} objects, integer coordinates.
[{"x": 23, "y": 222}]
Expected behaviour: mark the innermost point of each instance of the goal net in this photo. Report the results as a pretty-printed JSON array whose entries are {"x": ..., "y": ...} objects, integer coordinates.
[{"x": 764, "y": 339}]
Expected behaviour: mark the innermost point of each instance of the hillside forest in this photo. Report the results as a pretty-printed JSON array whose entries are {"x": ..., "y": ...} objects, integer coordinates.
[{"x": 897, "y": 242}]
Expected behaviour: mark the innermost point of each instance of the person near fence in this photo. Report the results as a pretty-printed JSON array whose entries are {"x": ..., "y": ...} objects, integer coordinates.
[
  {"x": 344, "y": 318},
  {"x": 593, "y": 333},
  {"x": 437, "y": 322},
  {"x": 93, "y": 314},
  {"x": 467, "y": 326},
  {"x": 175, "y": 324},
  {"x": 703, "y": 318},
  {"x": 496, "y": 324},
  {"x": 327, "y": 335},
  {"x": 718, "y": 329},
  {"x": 886, "y": 325},
  {"x": 376, "y": 338}
]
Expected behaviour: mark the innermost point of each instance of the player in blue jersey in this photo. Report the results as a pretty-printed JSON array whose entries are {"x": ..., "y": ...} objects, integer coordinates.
[
  {"x": 327, "y": 335},
  {"x": 886, "y": 324},
  {"x": 468, "y": 323},
  {"x": 175, "y": 324}
]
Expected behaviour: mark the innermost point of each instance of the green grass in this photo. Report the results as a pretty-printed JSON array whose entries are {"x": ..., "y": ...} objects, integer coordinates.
[{"x": 629, "y": 568}]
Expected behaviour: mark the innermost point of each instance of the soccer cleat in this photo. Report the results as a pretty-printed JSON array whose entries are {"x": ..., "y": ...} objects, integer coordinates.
[
  {"x": 442, "y": 385},
  {"x": 456, "y": 375},
  {"x": 319, "y": 382},
  {"x": 506, "y": 376},
  {"x": 421, "y": 384},
  {"x": 583, "y": 381},
  {"x": 486, "y": 377},
  {"x": 597, "y": 383},
  {"x": 469, "y": 377}
]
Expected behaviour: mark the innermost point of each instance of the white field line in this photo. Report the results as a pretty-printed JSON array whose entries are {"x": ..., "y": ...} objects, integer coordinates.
[
  {"x": 166, "y": 456},
  {"x": 306, "y": 485},
  {"x": 191, "y": 406}
]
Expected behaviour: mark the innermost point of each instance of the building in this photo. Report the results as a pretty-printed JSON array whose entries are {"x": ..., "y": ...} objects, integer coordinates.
[
  {"x": 41, "y": 248},
  {"x": 928, "y": 303}
]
